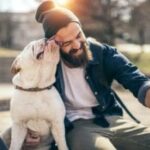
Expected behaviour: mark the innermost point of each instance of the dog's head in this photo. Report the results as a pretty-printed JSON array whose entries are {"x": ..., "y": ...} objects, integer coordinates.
[{"x": 38, "y": 60}]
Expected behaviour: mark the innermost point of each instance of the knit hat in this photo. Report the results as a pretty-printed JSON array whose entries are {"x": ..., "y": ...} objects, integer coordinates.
[{"x": 53, "y": 17}]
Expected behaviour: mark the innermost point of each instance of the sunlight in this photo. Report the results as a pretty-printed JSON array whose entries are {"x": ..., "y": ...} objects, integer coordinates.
[{"x": 62, "y": 2}]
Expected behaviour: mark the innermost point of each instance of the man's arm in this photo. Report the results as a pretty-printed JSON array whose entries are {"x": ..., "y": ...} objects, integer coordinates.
[
  {"x": 32, "y": 138},
  {"x": 127, "y": 74}
]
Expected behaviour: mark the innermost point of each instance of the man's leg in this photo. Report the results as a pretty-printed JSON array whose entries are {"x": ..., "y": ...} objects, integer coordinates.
[
  {"x": 128, "y": 134},
  {"x": 45, "y": 143},
  {"x": 88, "y": 136},
  {"x": 121, "y": 135}
]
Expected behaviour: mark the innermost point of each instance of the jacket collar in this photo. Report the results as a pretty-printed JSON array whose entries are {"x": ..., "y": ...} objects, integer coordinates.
[{"x": 94, "y": 60}]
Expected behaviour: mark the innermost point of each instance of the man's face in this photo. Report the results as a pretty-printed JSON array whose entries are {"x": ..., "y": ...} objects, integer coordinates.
[{"x": 72, "y": 44}]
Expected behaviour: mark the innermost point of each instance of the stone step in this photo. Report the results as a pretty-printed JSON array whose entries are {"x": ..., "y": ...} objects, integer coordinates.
[
  {"x": 5, "y": 65},
  {"x": 6, "y": 91},
  {"x": 5, "y": 120},
  {"x": 4, "y": 105}
]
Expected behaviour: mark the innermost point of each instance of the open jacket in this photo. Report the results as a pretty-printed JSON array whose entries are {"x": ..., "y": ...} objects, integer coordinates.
[{"x": 108, "y": 64}]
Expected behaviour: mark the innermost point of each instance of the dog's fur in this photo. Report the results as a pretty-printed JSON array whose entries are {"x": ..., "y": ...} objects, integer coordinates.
[{"x": 40, "y": 111}]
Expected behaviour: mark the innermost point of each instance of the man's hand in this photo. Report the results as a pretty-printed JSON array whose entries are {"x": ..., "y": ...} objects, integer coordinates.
[
  {"x": 32, "y": 138},
  {"x": 147, "y": 98}
]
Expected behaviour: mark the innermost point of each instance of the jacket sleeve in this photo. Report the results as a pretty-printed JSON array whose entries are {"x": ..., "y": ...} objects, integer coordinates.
[{"x": 125, "y": 72}]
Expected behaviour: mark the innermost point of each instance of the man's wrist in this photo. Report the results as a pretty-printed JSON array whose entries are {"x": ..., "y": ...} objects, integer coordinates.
[
  {"x": 147, "y": 98},
  {"x": 143, "y": 95}
]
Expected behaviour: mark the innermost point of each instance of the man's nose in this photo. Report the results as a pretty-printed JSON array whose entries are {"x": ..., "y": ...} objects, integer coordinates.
[{"x": 76, "y": 44}]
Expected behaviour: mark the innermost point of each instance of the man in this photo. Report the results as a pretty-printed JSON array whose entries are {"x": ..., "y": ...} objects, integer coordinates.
[{"x": 94, "y": 120}]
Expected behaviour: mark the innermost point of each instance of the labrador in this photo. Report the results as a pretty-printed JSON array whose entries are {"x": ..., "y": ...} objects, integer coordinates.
[{"x": 36, "y": 104}]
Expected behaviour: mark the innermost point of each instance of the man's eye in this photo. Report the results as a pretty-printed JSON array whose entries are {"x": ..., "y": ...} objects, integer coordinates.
[
  {"x": 79, "y": 35},
  {"x": 66, "y": 44}
]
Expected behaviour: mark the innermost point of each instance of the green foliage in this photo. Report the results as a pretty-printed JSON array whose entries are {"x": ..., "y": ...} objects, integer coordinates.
[{"x": 142, "y": 60}]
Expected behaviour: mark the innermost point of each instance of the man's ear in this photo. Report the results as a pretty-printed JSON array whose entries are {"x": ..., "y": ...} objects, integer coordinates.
[{"x": 15, "y": 68}]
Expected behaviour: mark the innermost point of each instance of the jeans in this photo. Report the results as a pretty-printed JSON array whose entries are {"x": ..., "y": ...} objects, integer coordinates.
[{"x": 121, "y": 135}]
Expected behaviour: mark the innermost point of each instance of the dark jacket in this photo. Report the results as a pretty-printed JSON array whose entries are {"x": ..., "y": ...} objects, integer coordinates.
[{"x": 108, "y": 64}]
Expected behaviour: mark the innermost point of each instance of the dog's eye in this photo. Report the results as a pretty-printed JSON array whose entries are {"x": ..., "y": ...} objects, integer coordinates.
[{"x": 40, "y": 55}]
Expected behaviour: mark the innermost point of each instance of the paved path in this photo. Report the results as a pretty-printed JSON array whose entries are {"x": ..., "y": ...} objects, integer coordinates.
[
  {"x": 141, "y": 112},
  {"x": 6, "y": 91},
  {"x": 5, "y": 120}
]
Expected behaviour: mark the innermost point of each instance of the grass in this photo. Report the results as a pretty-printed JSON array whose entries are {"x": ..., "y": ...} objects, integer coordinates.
[
  {"x": 144, "y": 63},
  {"x": 141, "y": 60}
]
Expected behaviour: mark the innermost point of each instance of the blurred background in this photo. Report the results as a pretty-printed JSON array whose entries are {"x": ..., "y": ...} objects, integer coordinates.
[
  {"x": 124, "y": 24},
  {"x": 121, "y": 23}
]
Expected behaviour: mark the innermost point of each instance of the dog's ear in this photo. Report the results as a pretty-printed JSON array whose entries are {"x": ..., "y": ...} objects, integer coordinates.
[{"x": 15, "y": 68}]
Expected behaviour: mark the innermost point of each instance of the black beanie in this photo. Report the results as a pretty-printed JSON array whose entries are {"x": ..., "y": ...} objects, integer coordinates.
[{"x": 53, "y": 17}]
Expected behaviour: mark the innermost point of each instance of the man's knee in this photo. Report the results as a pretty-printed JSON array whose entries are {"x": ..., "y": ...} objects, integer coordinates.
[
  {"x": 6, "y": 137},
  {"x": 84, "y": 140}
]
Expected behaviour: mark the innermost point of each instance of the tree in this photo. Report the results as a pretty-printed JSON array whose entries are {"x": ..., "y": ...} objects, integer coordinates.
[
  {"x": 6, "y": 28},
  {"x": 140, "y": 20},
  {"x": 108, "y": 13}
]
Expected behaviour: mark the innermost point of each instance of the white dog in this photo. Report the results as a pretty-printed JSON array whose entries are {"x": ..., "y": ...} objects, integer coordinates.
[{"x": 36, "y": 104}]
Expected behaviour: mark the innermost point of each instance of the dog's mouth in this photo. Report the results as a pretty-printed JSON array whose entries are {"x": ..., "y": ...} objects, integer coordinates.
[{"x": 40, "y": 54}]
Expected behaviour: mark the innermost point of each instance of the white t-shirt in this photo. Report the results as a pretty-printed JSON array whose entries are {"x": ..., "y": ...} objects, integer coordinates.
[{"x": 80, "y": 98}]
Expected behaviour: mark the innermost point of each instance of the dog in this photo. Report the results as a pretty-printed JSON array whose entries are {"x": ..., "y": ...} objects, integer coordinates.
[{"x": 36, "y": 104}]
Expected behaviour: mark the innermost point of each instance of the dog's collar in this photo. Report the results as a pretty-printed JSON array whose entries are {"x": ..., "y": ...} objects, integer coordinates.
[{"x": 36, "y": 89}]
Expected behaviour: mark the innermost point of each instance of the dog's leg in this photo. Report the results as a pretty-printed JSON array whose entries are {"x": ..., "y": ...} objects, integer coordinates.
[
  {"x": 18, "y": 135},
  {"x": 58, "y": 132}
]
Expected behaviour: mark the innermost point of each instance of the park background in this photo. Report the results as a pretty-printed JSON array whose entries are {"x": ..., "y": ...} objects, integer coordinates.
[{"x": 124, "y": 24}]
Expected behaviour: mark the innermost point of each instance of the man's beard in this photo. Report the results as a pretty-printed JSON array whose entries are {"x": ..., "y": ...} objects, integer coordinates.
[{"x": 76, "y": 60}]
